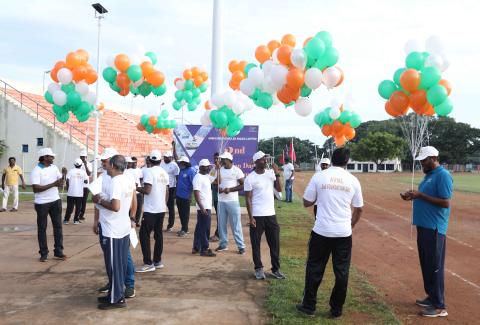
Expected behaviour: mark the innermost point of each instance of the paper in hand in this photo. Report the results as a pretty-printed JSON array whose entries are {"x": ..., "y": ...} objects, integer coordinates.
[
  {"x": 96, "y": 186},
  {"x": 133, "y": 238}
]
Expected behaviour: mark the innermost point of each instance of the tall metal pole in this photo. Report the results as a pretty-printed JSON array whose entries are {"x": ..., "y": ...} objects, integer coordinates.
[
  {"x": 97, "y": 115},
  {"x": 217, "y": 47}
]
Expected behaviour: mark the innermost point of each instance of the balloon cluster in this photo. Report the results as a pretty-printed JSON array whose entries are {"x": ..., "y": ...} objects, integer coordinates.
[
  {"x": 339, "y": 122},
  {"x": 419, "y": 85},
  {"x": 156, "y": 124},
  {"x": 287, "y": 74},
  {"x": 135, "y": 75},
  {"x": 193, "y": 83},
  {"x": 70, "y": 90}
]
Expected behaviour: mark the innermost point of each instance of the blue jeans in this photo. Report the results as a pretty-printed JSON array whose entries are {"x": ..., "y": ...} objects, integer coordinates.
[
  {"x": 130, "y": 276},
  {"x": 288, "y": 190},
  {"x": 230, "y": 212}
]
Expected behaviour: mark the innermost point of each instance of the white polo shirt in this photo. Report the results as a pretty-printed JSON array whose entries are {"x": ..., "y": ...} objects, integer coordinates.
[
  {"x": 42, "y": 175},
  {"x": 203, "y": 184},
  {"x": 261, "y": 186},
  {"x": 90, "y": 168},
  {"x": 288, "y": 170},
  {"x": 229, "y": 178},
  {"x": 76, "y": 182},
  {"x": 155, "y": 201},
  {"x": 172, "y": 170},
  {"x": 334, "y": 190}
]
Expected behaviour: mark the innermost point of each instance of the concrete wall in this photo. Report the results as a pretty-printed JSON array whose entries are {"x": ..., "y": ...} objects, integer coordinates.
[
  {"x": 371, "y": 167},
  {"x": 17, "y": 128}
]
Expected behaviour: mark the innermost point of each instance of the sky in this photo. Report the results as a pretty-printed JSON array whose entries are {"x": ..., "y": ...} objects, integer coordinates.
[{"x": 369, "y": 35}]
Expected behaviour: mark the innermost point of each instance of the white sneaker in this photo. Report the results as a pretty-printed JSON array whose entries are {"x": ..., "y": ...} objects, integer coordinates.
[
  {"x": 145, "y": 268},
  {"x": 158, "y": 265}
]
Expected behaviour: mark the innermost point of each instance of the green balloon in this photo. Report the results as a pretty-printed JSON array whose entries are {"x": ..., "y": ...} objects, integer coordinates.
[
  {"x": 330, "y": 57},
  {"x": 145, "y": 89},
  {"x": 58, "y": 110},
  {"x": 213, "y": 117},
  {"x": 444, "y": 108},
  {"x": 83, "y": 109},
  {"x": 134, "y": 90},
  {"x": 221, "y": 120},
  {"x": 318, "y": 118},
  {"x": 134, "y": 72},
  {"x": 230, "y": 115},
  {"x": 265, "y": 100},
  {"x": 192, "y": 106},
  {"x": 436, "y": 95},
  {"x": 255, "y": 94},
  {"x": 310, "y": 62},
  {"x": 429, "y": 77},
  {"x": 326, "y": 116},
  {"x": 325, "y": 37},
  {"x": 425, "y": 55},
  {"x": 415, "y": 60},
  {"x": 179, "y": 94},
  {"x": 248, "y": 67},
  {"x": 305, "y": 91},
  {"x": 386, "y": 88},
  {"x": 48, "y": 97},
  {"x": 160, "y": 90},
  {"x": 109, "y": 74},
  {"x": 321, "y": 63},
  {"x": 144, "y": 119},
  {"x": 68, "y": 87},
  {"x": 161, "y": 124},
  {"x": 115, "y": 87},
  {"x": 315, "y": 48},
  {"x": 173, "y": 124},
  {"x": 177, "y": 105},
  {"x": 82, "y": 117},
  {"x": 149, "y": 128},
  {"x": 355, "y": 120},
  {"x": 290, "y": 104},
  {"x": 73, "y": 99},
  {"x": 63, "y": 118},
  {"x": 164, "y": 114},
  {"x": 397, "y": 75},
  {"x": 196, "y": 92},
  {"x": 236, "y": 124},
  {"x": 187, "y": 96},
  {"x": 197, "y": 100},
  {"x": 152, "y": 57},
  {"x": 203, "y": 87},
  {"x": 189, "y": 84},
  {"x": 231, "y": 132},
  {"x": 345, "y": 116}
]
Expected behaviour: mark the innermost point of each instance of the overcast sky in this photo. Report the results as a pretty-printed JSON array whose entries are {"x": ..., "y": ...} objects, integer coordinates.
[{"x": 369, "y": 35}]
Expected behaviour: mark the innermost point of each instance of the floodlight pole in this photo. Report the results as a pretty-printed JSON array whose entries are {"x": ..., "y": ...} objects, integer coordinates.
[{"x": 217, "y": 47}]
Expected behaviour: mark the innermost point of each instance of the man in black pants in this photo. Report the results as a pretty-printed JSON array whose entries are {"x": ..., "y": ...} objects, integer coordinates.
[
  {"x": 334, "y": 190},
  {"x": 46, "y": 179},
  {"x": 258, "y": 189},
  {"x": 76, "y": 179},
  {"x": 87, "y": 168}
]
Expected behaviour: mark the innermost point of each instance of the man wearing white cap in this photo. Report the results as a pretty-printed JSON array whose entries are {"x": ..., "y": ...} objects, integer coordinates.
[
  {"x": 76, "y": 179},
  {"x": 184, "y": 193},
  {"x": 87, "y": 167},
  {"x": 230, "y": 182},
  {"x": 46, "y": 179},
  {"x": 431, "y": 212},
  {"x": 202, "y": 189},
  {"x": 155, "y": 190},
  {"x": 172, "y": 169},
  {"x": 258, "y": 188}
]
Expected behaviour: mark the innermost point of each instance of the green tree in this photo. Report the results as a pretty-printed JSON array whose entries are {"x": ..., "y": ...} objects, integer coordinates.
[{"x": 378, "y": 147}]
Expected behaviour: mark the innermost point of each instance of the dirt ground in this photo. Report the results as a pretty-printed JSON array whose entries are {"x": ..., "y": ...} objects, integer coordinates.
[
  {"x": 218, "y": 290},
  {"x": 384, "y": 249}
]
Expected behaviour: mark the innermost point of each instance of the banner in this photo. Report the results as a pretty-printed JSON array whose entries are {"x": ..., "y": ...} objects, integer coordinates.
[{"x": 198, "y": 142}]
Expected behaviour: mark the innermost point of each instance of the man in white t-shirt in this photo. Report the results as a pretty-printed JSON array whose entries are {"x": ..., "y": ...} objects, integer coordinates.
[
  {"x": 116, "y": 203},
  {"x": 336, "y": 191},
  {"x": 87, "y": 168},
  {"x": 259, "y": 194},
  {"x": 322, "y": 165},
  {"x": 155, "y": 190},
  {"x": 202, "y": 189},
  {"x": 76, "y": 179},
  {"x": 289, "y": 176},
  {"x": 172, "y": 169},
  {"x": 230, "y": 181},
  {"x": 46, "y": 179}
]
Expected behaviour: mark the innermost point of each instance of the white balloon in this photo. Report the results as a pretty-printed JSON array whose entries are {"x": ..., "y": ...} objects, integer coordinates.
[
  {"x": 299, "y": 58},
  {"x": 349, "y": 103},
  {"x": 331, "y": 77},
  {"x": 146, "y": 59},
  {"x": 138, "y": 82},
  {"x": 434, "y": 45},
  {"x": 82, "y": 87},
  {"x": 335, "y": 103},
  {"x": 247, "y": 87},
  {"x": 413, "y": 45},
  {"x": 180, "y": 84},
  {"x": 53, "y": 87},
  {"x": 274, "y": 56},
  {"x": 279, "y": 75},
  {"x": 238, "y": 107},
  {"x": 275, "y": 99},
  {"x": 303, "y": 106},
  {"x": 229, "y": 98},
  {"x": 217, "y": 100},
  {"x": 135, "y": 59},
  {"x": 445, "y": 64},
  {"x": 205, "y": 119},
  {"x": 255, "y": 75},
  {"x": 267, "y": 68},
  {"x": 434, "y": 60},
  {"x": 111, "y": 61},
  {"x": 90, "y": 98},
  {"x": 335, "y": 113},
  {"x": 313, "y": 78},
  {"x": 64, "y": 75},
  {"x": 267, "y": 86},
  {"x": 59, "y": 98}
]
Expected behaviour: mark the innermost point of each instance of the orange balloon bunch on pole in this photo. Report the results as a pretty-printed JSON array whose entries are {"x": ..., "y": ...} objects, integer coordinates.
[{"x": 190, "y": 86}]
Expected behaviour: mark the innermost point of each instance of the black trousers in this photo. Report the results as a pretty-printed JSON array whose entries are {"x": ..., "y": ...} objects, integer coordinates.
[
  {"x": 171, "y": 206},
  {"x": 319, "y": 250},
  {"x": 152, "y": 221},
  {"x": 269, "y": 225},
  {"x": 84, "y": 203},
  {"x": 202, "y": 231},
  {"x": 431, "y": 251},
  {"x": 138, "y": 213},
  {"x": 54, "y": 209},
  {"x": 183, "y": 206},
  {"x": 73, "y": 201}
]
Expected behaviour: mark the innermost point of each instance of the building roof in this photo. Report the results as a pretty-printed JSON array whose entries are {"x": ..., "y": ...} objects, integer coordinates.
[{"x": 116, "y": 129}]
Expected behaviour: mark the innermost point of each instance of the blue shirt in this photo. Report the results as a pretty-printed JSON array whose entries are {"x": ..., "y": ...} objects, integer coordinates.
[
  {"x": 185, "y": 183},
  {"x": 437, "y": 183}
]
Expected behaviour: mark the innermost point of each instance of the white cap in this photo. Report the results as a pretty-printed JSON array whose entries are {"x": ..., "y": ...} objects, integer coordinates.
[
  {"x": 258, "y": 155},
  {"x": 78, "y": 162},
  {"x": 83, "y": 153},
  {"x": 155, "y": 155},
  {"x": 108, "y": 153},
  {"x": 128, "y": 159},
  {"x": 425, "y": 152},
  {"x": 168, "y": 154},
  {"x": 183, "y": 159},
  {"x": 226, "y": 155},
  {"x": 325, "y": 161},
  {"x": 46, "y": 152},
  {"x": 204, "y": 163}
]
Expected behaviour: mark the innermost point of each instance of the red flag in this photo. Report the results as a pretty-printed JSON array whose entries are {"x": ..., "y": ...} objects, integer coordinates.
[
  {"x": 293, "y": 156},
  {"x": 282, "y": 158}
]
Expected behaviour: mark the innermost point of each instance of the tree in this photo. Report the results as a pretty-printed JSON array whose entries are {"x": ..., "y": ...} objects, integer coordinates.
[
  {"x": 3, "y": 146},
  {"x": 378, "y": 147}
]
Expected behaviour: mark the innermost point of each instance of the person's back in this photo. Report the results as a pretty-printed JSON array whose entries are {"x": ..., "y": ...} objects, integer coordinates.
[
  {"x": 157, "y": 177},
  {"x": 76, "y": 179}
]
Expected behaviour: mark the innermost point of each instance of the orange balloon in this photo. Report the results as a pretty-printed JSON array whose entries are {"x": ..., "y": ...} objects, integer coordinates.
[
  {"x": 337, "y": 128},
  {"x": 289, "y": 40},
  {"x": 340, "y": 141},
  {"x": 272, "y": 45},
  {"x": 79, "y": 73},
  {"x": 122, "y": 62},
  {"x": 428, "y": 110},
  {"x": 53, "y": 74},
  {"x": 153, "y": 120},
  {"x": 207, "y": 105},
  {"x": 140, "y": 127},
  {"x": 91, "y": 76},
  {"x": 327, "y": 130},
  {"x": 100, "y": 106},
  {"x": 156, "y": 78},
  {"x": 232, "y": 66},
  {"x": 238, "y": 76},
  {"x": 447, "y": 85},
  {"x": 349, "y": 133},
  {"x": 73, "y": 60},
  {"x": 341, "y": 76},
  {"x": 59, "y": 64},
  {"x": 284, "y": 96},
  {"x": 187, "y": 74},
  {"x": 195, "y": 72},
  {"x": 295, "y": 78},
  {"x": 147, "y": 68},
  {"x": 283, "y": 54},
  {"x": 83, "y": 54},
  {"x": 234, "y": 85},
  {"x": 306, "y": 41},
  {"x": 418, "y": 99},
  {"x": 198, "y": 81},
  {"x": 410, "y": 80},
  {"x": 241, "y": 65},
  {"x": 124, "y": 91},
  {"x": 262, "y": 53},
  {"x": 204, "y": 75},
  {"x": 123, "y": 81},
  {"x": 399, "y": 102},
  {"x": 389, "y": 109}
]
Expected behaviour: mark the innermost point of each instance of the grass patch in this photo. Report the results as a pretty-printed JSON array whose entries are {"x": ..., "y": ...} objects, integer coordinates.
[
  {"x": 363, "y": 305},
  {"x": 463, "y": 182}
]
